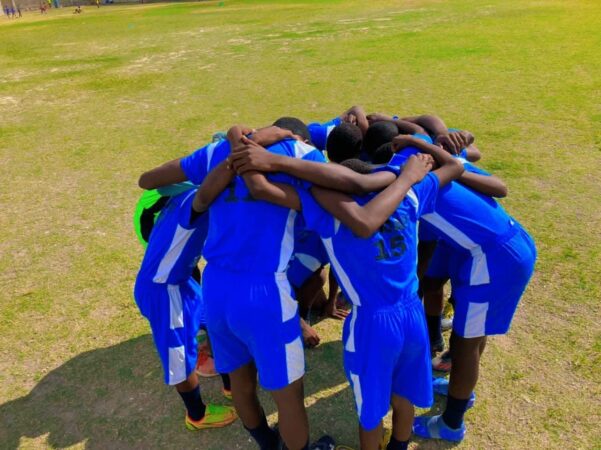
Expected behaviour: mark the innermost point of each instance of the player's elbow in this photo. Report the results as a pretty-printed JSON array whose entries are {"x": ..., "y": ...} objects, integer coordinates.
[
  {"x": 145, "y": 181},
  {"x": 455, "y": 167},
  {"x": 501, "y": 189},
  {"x": 364, "y": 227}
]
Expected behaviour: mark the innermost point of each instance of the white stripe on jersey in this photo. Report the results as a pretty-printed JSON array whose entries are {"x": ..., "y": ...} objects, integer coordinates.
[
  {"x": 342, "y": 276},
  {"x": 210, "y": 150},
  {"x": 179, "y": 241},
  {"x": 479, "y": 271},
  {"x": 287, "y": 245},
  {"x": 413, "y": 197},
  {"x": 302, "y": 149}
]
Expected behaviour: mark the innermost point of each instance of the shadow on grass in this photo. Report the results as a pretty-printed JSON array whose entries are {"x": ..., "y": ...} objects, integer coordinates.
[{"x": 114, "y": 398}]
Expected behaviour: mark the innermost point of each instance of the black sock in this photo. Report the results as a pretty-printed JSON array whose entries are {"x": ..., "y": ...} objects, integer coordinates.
[
  {"x": 397, "y": 445},
  {"x": 194, "y": 405},
  {"x": 454, "y": 412},
  {"x": 266, "y": 437},
  {"x": 434, "y": 328},
  {"x": 225, "y": 378}
]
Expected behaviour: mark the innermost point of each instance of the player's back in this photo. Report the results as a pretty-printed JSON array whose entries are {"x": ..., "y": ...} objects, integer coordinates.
[
  {"x": 253, "y": 235},
  {"x": 381, "y": 270},
  {"x": 175, "y": 243}
]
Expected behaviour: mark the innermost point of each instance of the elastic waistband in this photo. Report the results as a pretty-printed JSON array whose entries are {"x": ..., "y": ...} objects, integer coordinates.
[
  {"x": 514, "y": 229},
  {"x": 234, "y": 272},
  {"x": 407, "y": 302}
]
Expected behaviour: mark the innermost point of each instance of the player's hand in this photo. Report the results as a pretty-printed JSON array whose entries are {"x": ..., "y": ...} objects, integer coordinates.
[
  {"x": 467, "y": 138},
  {"x": 270, "y": 135},
  {"x": 417, "y": 167},
  {"x": 251, "y": 156},
  {"x": 334, "y": 312},
  {"x": 401, "y": 141},
  {"x": 310, "y": 336},
  {"x": 451, "y": 142},
  {"x": 378, "y": 117}
]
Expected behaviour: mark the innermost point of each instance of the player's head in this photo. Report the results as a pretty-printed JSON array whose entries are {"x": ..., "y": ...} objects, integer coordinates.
[
  {"x": 358, "y": 166},
  {"x": 295, "y": 125},
  {"x": 383, "y": 154},
  {"x": 344, "y": 142},
  {"x": 377, "y": 134}
]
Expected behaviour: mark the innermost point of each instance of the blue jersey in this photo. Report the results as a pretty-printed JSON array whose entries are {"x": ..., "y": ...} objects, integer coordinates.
[
  {"x": 381, "y": 270},
  {"x": 246, "y": 234},
  {"x": 468, "y": 221},
  {"x": 175, "y": 243},
  {"x": 320, "y": 131}
]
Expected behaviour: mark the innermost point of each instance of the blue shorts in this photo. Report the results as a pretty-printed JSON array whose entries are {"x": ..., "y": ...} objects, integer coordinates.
[
  {"x": 439, "y": 266},
  {"x": 488, "y": 309},
  {"x": 309, "y": 256},
  {"x": 387, "y": 351},
  {"x": 254, "y": 317},
  {"x": 175, "y": 313}
]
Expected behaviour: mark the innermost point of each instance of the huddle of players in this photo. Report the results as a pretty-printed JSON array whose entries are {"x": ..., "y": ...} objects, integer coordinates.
[{"x": 258, "y": 190}]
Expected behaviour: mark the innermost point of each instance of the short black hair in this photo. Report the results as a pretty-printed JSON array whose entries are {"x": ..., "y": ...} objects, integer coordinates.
[
  {"x": 358, "y": 166},
  {"x": 377, "y": 134},
  {"x": 383, "y": 154},
  {"x": 344, "y": 142},
  {"x": 295, "y": 125}
]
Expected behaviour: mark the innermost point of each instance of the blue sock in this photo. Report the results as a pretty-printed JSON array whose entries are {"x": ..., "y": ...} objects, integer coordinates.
[
  {"x": 397, "y": 445},
  {"x": 454, "y": 412},
  {"x": 194, "y": 405}
]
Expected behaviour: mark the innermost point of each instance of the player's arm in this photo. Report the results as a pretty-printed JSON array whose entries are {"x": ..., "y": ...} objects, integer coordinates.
[
  {"x": 404, "y": 126},
  {"x": 367, "y": 219},
  {"x": 485, "y": 184},
  {"x": 473, "y": 153},
  {"x": 356, "y": 115},
  {"x": 332, "y": 176},
  {"x": 449, "y": 168},
  {"x": 163, "y": 175},
  {"x": 451, "y": 141},
  {"x": 213, "y": 185}
]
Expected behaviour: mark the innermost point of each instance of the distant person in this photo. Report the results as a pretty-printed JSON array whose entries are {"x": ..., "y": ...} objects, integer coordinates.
[
  {"x": 77, "y": 10},
  {"x": 7, "y": 11},
  {"x": 19, "y": 11}
]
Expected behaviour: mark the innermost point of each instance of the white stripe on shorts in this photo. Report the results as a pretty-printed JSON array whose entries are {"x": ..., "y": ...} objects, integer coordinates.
[
  {"x": 176, "y": 308},
  {"x": 357, "y": 392},
  {"x": 349, "y": 345},
  {"x": 295, "y": 360},
  {"x": 475, "y": 320},
  {"x": 177, "y": 365},
  {"x": 288, "y": 305}
]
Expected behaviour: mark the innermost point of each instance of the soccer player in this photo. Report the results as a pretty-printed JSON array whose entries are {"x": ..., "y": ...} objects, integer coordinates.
[
  {"x": 385, "y": 338},
  {"x": 491, "y": 259},
  {"x": 171, "y": 300}
]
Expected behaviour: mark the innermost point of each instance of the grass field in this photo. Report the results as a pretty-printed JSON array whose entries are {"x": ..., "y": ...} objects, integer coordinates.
[{"x": 88, "y": 102}]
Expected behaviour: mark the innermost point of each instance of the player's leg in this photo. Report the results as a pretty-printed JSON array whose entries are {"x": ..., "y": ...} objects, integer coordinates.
[
  {"x": 292, "y": 416},
  {"x": 187, "y": 298},
  {"x": 403, "y": 412},
  {"x": 244, "y": 394},
  {"x": 433, "y": 291},
  {"x": 370, "y": 439},
  {"x": 480, "y": 311}
]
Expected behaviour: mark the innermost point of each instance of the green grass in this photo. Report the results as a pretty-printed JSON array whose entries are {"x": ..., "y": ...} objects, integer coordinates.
[{"x": 89, "y": 102}]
